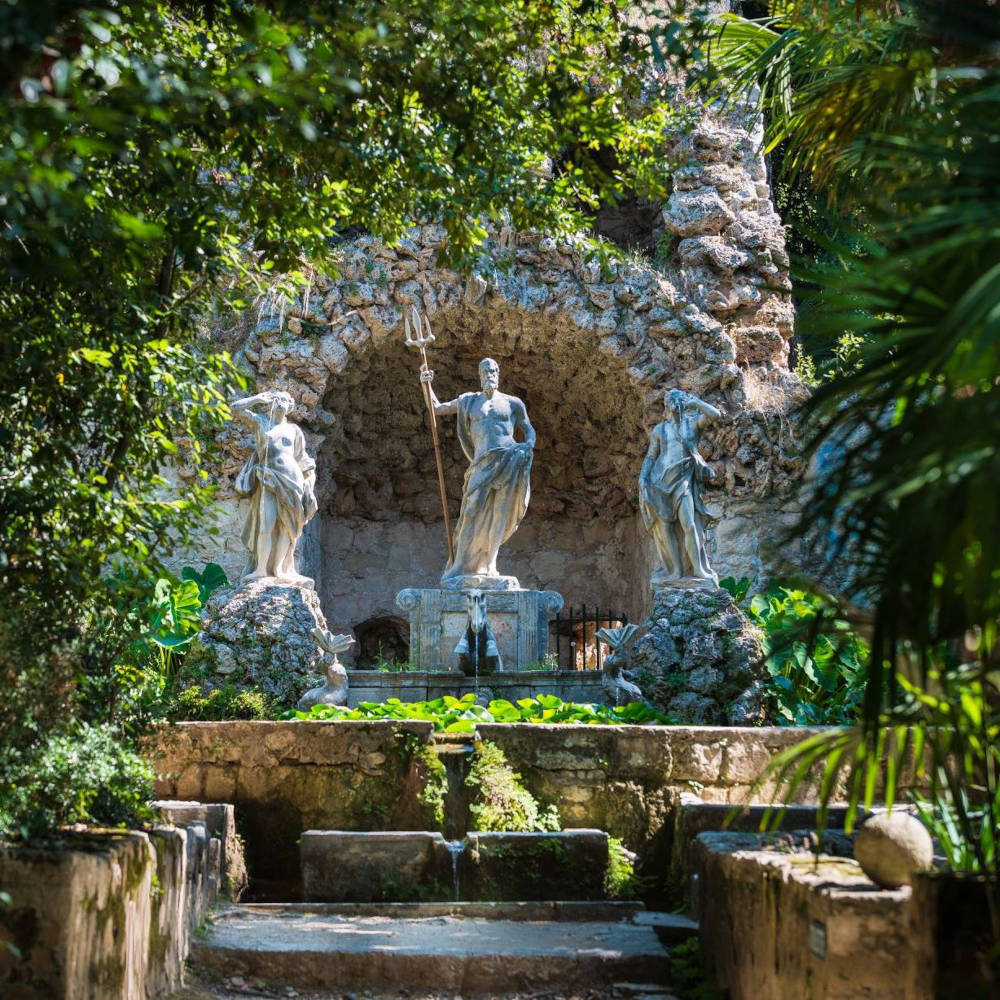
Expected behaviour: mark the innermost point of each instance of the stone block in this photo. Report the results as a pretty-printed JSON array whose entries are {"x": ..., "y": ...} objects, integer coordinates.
[
  {"x": 570, "y": 864},
  {"x": 340, "y": 866},
  {"x": 220, "y": 823},
  {"x": 344, "y": 866},
  {"x": 813, "y": 927},
  {"x": 85, "y": 919},
  {"x": 699, "y": 658},
  {"x": 438, "y": 619}
]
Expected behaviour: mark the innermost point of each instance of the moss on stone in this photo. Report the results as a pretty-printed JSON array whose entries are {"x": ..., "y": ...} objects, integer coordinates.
[
  {"x": 433, "y": 778},
  {"x": 499, "y": 801}
]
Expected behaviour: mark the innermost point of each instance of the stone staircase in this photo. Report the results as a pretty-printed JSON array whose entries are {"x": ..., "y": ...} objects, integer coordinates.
[
  {"x": 459, "y": 913},
  {"x": 453, "y": 949}
]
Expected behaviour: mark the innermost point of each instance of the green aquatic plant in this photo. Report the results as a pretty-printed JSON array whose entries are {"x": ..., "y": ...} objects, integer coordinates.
[{"x": 460, "y": 715}]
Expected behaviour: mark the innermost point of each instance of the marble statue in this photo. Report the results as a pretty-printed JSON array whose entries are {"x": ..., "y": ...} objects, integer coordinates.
[
  {"x": 279, "y": 479},
  {"x": 477, "y": 650},
  {"x": 497, "y": 483},
  {"x": 670, "y": 491},
  {"x": 334, "y": 690}
]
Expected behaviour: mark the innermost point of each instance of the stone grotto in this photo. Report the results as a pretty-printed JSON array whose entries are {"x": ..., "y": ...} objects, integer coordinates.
[{"x": 590, "y": 344}]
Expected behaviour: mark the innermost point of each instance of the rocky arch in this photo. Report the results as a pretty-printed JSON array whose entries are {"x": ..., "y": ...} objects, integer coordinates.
[
  {"x": 379, "y": 499},
  {"x": 590, "y": 345}
]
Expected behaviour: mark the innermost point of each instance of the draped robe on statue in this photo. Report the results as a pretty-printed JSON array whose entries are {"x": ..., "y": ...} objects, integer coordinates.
[
  {"x": 494, "y": 499},
  {"x": 661, "y": 499}
]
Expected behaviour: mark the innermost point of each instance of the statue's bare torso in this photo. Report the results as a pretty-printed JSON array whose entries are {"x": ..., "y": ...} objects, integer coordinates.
[
  {"x": 671, "y": 442},
  {"x": 276, "y": 447},
  {"x": 492, "y": 420},
  {"x": 497, "y": 483}
]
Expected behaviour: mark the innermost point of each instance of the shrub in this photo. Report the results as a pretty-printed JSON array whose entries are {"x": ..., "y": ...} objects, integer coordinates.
[
  {"x": 193, "y": 705},
  {"x": 84, "y": 775}
]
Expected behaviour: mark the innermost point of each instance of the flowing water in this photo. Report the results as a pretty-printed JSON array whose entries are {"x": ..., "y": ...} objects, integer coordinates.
[
  {"x": 455, "y": 848},
  {"x": 457, "y": 758}
]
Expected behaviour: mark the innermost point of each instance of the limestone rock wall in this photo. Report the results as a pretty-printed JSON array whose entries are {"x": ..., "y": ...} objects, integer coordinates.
[
  {"x": 258, "y": 635},
  {"x": 590, "y": 345},
  {"x": 698, "y": 659}
]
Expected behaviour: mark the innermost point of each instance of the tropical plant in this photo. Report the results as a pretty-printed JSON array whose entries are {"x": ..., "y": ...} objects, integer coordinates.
[
  {"x": 460, "y": 715},
  {"x": 941, "y": 741},
  {"x": 153, "y": 623},
  {"x": 891, "y": 110},
  {"x": 815, "y": 661}
]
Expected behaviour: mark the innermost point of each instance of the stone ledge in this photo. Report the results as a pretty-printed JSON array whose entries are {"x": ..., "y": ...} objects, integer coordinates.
[
  {"x": 793, "y": 924},
  {"x": 570, "y": 685},
  {"x": 86, "y": 919},
  {"x": 286, "y": 777}
]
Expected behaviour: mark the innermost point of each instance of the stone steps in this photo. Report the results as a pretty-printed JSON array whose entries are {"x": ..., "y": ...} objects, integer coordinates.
[{"x": 457, "y": 948}]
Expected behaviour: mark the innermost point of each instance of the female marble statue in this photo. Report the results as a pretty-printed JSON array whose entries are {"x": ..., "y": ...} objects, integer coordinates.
[
  {"x": 279, "y": 479},
  {"x": 670, "y": 490}
]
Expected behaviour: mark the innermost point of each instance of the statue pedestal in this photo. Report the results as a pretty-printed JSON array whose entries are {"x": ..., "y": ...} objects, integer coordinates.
[
  {"x": 438, "y": 619},
  {"x": 662, "y": 580},
  {"x": 698, "y": 658},
  {"x": 257, "y": 634}
]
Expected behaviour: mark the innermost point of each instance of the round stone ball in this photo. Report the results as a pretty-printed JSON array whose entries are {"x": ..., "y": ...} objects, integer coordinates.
[{"x": 891, "y": 846}]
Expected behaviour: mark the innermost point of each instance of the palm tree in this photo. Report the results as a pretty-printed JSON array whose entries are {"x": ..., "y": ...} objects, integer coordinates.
[{"x": 890, "y": 114}]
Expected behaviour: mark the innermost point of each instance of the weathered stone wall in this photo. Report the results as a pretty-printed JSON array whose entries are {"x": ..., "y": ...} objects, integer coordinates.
[
  {"x": 287, "y": 777},
  {"x": 86, "y": 920},
  {"x": 779, "y": 923},
  {"x": 589, "y": 346}
]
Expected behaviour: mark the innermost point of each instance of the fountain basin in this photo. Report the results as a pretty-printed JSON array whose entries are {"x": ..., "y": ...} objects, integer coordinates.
[
  {"x": 342, "y": 866},
  {"x": 421, "y": 685}
]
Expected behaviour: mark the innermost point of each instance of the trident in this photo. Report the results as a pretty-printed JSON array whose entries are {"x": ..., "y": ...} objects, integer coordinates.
[{"x": 419, "y": 339}]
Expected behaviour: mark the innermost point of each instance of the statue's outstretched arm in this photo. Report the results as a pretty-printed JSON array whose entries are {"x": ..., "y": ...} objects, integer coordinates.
[
  {"x": 244, "y": 408},
  {"x": 709, "y": 412},
  {"x": 427, "y": 377}
]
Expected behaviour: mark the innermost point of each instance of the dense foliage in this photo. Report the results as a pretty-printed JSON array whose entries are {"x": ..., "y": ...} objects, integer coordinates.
[
  {"x": 891, "y": 113},
  {"x": 83, "y": 775},
  {"x": 814, "y": 659},
  {"x": 460, "y": 715},
  {"x": 158, "y": 162}
]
